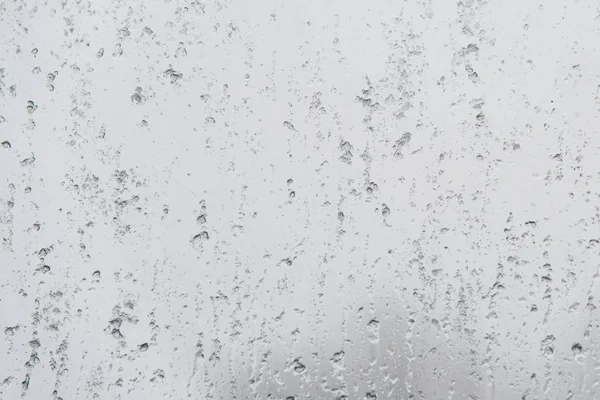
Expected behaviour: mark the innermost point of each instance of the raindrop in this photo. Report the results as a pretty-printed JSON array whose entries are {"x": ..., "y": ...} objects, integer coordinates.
[
  {"x": 174, "y": 75},
  {"x": 385, "y": 210},
  {"x": 200, "y": 236},
  {"x": 298, "y": 366},
  {"x": 31, "y": 107},
  {"x": 116, "y": 333},
  {"x": 136, "y": 98}
]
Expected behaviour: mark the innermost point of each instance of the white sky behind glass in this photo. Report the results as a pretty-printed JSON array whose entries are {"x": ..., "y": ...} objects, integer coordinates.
[{"x": 290, "y": 200}]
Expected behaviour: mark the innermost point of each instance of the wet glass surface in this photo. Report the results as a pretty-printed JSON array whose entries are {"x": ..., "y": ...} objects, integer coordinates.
[{"x": 299, "y": 200}]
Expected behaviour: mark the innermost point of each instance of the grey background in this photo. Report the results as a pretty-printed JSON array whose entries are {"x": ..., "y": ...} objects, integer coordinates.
[{"x": 290, "y": 200}]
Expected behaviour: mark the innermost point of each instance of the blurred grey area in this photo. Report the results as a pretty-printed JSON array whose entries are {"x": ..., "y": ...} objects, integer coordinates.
[{"x": 299, "y": 200}]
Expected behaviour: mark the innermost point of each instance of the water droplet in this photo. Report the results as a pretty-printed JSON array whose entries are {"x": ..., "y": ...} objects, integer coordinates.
[
  {"x": 12, "y": 330},
  {"x": 200, "y": 236},
  {"x": 373, "y": 325},
  {"x": 385, "y": 210},
  {"x": 27, "y": 161},
  {"x": 116, "y": 333},
  {"x": 298, "y": 366},
  {"x": 136, "y": 98},
  {"x": 31, "y": 107},
  {"x": 181, "y": 51},
  {"x": 44, "y": 269},
  {"x": 118, "y": 51},
  {"x": 174, "y": 75}
]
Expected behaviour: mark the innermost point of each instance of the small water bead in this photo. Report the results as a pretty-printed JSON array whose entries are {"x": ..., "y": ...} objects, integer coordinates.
[
  {"x": 385, "y": 210},
  {"x": 31, "y": 107},
  {"x": 136, "y": 98},
  {"x": 201, "y": 236}
]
